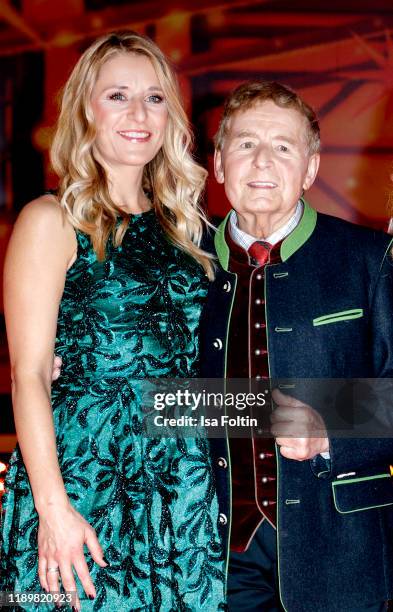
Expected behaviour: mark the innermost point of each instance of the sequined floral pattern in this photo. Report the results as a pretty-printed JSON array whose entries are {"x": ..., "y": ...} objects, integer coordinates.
[{"x": 151, "y": 501}]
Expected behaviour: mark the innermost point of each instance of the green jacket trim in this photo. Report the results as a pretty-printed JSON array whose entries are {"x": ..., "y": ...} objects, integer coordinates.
[
  {"x": 290, "y": 245},
  {"x": 334, "y": 317},
  {"x": 220, "y": 244},
  {"x": 361, "y": 479},
  {"x": 357, "y": 480},
  {"x": 301, "y": 233}
]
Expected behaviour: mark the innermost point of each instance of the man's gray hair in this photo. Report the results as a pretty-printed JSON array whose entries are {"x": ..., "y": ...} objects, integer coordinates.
[{"x": 251, "y": 93}]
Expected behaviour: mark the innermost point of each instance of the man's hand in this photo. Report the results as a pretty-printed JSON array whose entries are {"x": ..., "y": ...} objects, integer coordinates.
[
  {"x": 299, "y": 430},
  {"x": 56, "y": 368}
]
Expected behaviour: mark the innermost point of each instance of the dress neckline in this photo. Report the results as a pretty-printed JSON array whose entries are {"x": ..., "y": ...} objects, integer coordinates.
[{"x": 142, "y": 215}]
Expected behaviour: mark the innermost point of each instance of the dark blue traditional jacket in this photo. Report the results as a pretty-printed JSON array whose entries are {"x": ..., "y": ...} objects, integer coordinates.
[{"x": 333, "y": 294}]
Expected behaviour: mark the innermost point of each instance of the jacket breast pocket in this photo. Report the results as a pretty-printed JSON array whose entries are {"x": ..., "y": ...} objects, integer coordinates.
[
  {"x": 337, "y": 317},
  {"x": 364, "y": 493}
]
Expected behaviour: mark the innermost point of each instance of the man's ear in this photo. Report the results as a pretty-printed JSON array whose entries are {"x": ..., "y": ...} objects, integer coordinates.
[
  {"x": 218, "y": 168},
  {"x": 312, "y": 171}
]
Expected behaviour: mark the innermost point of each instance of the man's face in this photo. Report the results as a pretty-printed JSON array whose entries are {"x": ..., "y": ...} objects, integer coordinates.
[{"x": 264, "y": 163}]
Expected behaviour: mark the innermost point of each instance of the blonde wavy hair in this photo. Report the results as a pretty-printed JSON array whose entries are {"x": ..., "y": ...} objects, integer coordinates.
[{"x": 173, "y": 179}]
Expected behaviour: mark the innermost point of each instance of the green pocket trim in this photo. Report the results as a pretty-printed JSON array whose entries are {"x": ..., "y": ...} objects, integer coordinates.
[
  {"x": 344, "y": 315},
  {"x": 363, "y": 479},
  {"x": 355, "y": 480}
]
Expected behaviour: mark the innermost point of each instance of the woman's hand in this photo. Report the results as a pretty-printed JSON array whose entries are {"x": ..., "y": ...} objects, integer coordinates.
[{"x": 62, "y": 534}]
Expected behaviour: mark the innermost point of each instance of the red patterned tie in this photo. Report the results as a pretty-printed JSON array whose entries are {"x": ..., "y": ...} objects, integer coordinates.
[{"x": 260, "y": 252}]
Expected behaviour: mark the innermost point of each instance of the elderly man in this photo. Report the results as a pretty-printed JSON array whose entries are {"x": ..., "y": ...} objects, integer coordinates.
[{"x": 303, "y": 295}]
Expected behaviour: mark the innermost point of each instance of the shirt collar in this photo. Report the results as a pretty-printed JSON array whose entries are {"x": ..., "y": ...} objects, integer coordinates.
[{"x": 246, "y": 240}]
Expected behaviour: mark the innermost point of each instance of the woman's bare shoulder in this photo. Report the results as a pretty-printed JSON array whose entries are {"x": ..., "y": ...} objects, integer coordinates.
[
  {"x": 46, "y": 207},
  {"x": 43, "y": 227},
  {"x": 46, "y": 214}
]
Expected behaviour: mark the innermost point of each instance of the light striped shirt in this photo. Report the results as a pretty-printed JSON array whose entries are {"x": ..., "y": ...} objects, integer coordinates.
[{"x": 246, "y": 240}]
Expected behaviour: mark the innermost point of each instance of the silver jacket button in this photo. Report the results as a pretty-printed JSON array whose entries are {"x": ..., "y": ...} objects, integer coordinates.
[
  {"x": 222, "y": 519},
  {"x": 227, "y": 286},
  {"x": 222, "y": 462},
  {"x": 217, "y": 344}
]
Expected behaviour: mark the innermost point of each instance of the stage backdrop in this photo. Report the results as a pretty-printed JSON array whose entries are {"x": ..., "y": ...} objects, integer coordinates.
[{"x": 337, "y": 54}]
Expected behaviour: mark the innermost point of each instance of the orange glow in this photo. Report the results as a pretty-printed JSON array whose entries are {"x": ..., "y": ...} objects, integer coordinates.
[
  {"x": 216, "y": 18},
  {"x": 177, "y": 21},
  {"x": 3, "y": 467},
  {"x": 1, "y": 486},
  {"x": 176, "y": 55},
  {"x": 4, "y": 230},
  {"x": 97, "y": 22},
  {"x": 64, "y": 39},
  {"x": 42, "y": 137},
  {"x": 391, "y": 470}
]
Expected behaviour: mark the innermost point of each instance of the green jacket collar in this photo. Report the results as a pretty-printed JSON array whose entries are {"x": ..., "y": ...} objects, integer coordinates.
[{"x": 290, "y": 244}]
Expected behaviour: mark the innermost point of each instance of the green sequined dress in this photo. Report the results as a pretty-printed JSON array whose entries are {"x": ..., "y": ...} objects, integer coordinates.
[{"x": 152, "y": 501}]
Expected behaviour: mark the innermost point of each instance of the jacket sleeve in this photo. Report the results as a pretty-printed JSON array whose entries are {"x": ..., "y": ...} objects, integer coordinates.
[{"x": 369, "y": 456}]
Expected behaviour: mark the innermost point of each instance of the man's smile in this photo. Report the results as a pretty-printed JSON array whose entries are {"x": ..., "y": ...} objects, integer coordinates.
[{"x": 262, "y": 185}]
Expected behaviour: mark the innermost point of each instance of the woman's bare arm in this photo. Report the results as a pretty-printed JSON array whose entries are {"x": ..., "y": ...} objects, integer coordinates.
[
  {"x": 38, "y": 255},
  {"x": 42, "y": 248}
]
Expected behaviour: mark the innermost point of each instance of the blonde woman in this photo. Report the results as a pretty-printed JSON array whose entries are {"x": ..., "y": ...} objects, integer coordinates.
[{"x": 109, "y": 275}]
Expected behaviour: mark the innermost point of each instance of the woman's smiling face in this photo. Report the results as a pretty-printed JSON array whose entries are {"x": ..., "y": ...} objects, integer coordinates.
[{"x": 130, "y": 111}]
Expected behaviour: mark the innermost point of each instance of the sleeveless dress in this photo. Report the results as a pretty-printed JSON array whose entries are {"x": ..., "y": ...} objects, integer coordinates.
[{"x": 152, "y": 501}]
